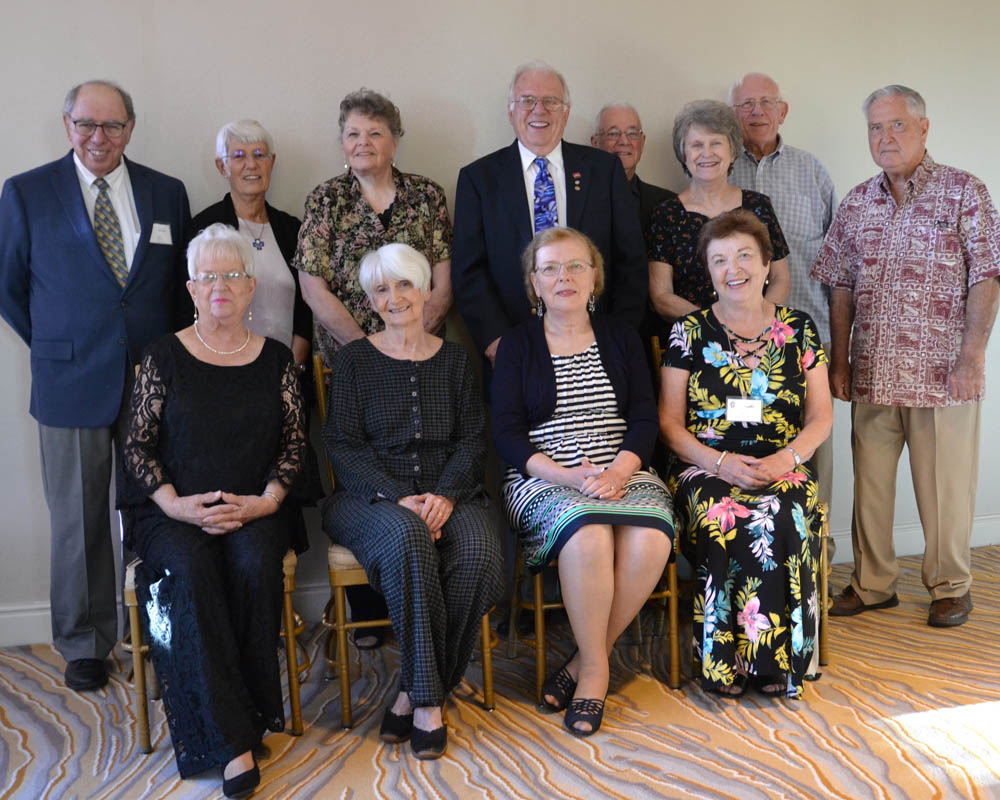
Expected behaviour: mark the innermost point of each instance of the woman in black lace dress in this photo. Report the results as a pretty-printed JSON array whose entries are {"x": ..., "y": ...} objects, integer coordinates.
[{"x": 217, "y": 464}]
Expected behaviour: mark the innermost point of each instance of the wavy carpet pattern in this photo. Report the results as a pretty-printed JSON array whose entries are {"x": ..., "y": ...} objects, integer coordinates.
[{"x": 902, "y": 711}]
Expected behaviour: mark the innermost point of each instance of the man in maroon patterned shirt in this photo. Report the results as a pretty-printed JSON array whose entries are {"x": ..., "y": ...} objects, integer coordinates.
[{"x": 912, "y": 259}]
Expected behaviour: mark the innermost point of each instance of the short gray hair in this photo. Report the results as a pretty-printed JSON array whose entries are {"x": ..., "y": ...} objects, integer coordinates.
[
  {"x": 395, "y": 261},
  {"x": 738, "y": 84},
  {"x": 537, "y": 66},
  {"x": 715, "y": 117},
  {"x": 608, "y": 107},
  {"x": 243, "y": 131},
  {"x": 373, "y": 105},
  {"x": 71, "y": 96},
  {"x": 219, "y": 239},
  {"x": 914, "y": 101}
]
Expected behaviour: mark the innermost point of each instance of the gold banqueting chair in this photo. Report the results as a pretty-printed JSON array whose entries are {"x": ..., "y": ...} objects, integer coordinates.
[{"x": 346, "y": 571}]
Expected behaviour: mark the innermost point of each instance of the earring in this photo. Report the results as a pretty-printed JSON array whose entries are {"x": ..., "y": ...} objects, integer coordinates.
[
  {"x": 250, "y": 315},
  {"x": 540, "y": 309},
  {"x": 346, "y": 167},
  {"x": 591, "y": 305},
  {"x": 196, "y": 314}
]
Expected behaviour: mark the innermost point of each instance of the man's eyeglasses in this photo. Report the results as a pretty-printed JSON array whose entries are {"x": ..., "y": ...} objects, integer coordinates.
[
  {"x": 766, "y": 104},
  {"x": 526, "y": 102},
  {"x": 86, "y": 127},
  {"x": 632, "y": 134}
]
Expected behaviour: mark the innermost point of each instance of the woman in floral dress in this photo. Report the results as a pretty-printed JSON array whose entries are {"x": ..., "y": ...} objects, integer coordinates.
[{"x": 745, "y": 404}]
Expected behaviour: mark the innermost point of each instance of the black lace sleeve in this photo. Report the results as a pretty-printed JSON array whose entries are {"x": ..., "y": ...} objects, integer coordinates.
[
  {"x": 140, "y": 454},
  {"x": 288, "y": 465}
]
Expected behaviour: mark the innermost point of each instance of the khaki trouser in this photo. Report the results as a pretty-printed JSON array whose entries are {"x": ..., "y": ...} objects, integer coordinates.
[{"x": 943, "y": 445}]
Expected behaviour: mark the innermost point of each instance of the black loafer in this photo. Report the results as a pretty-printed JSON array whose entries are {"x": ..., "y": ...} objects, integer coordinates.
[
  {"x": 86, "y": 674},
  {"x": 395, "y": 728},
  {"x": 242, "y": 785},
  {"x": 427, "y": 745}
]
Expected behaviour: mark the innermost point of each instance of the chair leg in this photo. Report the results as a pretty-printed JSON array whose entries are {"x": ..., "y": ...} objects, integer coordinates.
[
  {"x": 484, "y": 635},
  {"x": 514, "y": 617},
  {"x": 292, "y": 655},
  {"x": 539, "y": 609},
  {"x": 824, "y": 593},
  {"x": 675, "y": 634},
  {"x": 139, "y": 679},
  {"x": 343, "y": 662},
  {"x": 635, "y": 637}
]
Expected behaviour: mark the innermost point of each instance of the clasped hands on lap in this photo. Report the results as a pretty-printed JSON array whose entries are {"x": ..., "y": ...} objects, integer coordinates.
[
  {"x": 434, "y": 509},
  {"x": 748, "y": 472},
  {"x": 218, "y": 512}
]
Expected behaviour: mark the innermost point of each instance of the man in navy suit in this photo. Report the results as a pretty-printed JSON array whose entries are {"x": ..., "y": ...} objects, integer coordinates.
[
  {"x": 495, "y": 213},
  {"x": 86, "y": 305}
]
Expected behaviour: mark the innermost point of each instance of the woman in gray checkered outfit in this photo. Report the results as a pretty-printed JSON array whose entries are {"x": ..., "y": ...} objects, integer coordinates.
[{"x": 405, "y": 435}]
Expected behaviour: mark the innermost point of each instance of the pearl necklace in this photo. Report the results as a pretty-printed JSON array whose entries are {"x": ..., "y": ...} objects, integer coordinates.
[{"x": 221, "y": 352}]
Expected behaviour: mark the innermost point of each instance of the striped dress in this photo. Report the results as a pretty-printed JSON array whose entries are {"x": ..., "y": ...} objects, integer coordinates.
[{"x": 586, "y": 423}]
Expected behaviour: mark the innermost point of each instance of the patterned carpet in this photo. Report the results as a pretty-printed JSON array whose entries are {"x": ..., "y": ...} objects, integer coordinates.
[{"x": 902, "y": 711}]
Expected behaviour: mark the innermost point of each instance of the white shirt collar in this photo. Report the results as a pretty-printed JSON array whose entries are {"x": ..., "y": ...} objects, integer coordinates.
[
  {"x": 114, "y": 178},
  {"x": 555, "y": 158}
]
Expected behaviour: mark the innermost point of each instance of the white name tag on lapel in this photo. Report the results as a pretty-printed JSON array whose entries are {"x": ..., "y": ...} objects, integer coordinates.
[
  {"x": 160, "y": 234},
  {"x": 744, "y": 409}
]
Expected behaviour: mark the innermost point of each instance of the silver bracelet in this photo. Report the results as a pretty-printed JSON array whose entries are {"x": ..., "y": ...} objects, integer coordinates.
[
  {"x": 796, "y": 456},
  {"x": 718, "y": 464},
  {"x": 273, "y": 496}
]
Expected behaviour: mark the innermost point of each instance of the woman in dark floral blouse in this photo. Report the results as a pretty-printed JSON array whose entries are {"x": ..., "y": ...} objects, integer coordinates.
[
  {"x": 370, "y": 205},
  {"x": 707, "y": 140}
]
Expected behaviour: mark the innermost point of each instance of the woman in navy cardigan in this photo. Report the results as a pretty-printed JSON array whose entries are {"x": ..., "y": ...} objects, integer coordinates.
[{"x": 575, "y": 420}]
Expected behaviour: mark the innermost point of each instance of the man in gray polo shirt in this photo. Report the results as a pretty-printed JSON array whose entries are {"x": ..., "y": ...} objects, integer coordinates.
[{"x": 802, "y": 194}]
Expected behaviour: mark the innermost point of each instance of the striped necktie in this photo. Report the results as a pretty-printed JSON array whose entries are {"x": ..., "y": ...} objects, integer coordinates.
[
  {"x": 546, "y": 215},
  {"x": 109, "y": 233}
]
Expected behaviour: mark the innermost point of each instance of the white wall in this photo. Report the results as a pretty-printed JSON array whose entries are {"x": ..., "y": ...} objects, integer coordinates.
[{"x": 192, "y": 66}]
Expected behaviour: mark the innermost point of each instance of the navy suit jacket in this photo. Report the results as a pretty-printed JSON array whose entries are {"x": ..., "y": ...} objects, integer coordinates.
[
  {"x": 493, "y": 226},
  {"x": 58, "y": 293}
]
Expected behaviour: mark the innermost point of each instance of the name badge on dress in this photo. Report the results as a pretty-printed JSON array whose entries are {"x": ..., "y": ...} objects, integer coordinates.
[
  {"x": 160, "y": 234},
  {"x": 744, "y": 409}
]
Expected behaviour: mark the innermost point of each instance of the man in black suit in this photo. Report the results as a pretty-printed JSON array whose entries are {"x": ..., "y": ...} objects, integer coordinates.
[
  {"x": 618, "y": 130},
  {"x": 497, "y": 200},
  {"x": 91, "y": 271}
]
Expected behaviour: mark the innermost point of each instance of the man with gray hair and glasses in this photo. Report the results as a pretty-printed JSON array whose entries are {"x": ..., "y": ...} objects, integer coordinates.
[
  {"x": 912, "y": 259},
  {"x": 538, "y": 182},
  {"x": 91, "y": 271},
  {"x": 618, "y": 130},
  {"x": 801, "y": 191}
]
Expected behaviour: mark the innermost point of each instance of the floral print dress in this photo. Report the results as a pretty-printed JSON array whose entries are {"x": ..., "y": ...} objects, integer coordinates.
[{"x": 756, "y": 553}]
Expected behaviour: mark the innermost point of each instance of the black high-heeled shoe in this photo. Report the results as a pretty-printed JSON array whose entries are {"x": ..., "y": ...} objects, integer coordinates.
[
  {"x": 589, "y": 710},
  {"x": 242, "y": 785},
  {"x": 560, "y": 686}
]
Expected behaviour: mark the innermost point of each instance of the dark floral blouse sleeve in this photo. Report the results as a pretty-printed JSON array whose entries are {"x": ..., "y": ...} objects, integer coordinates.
[
  {"x": 140, "y": 453},
  {"x": 760, "y": 205},
  {"x": 294, "y": 447}
]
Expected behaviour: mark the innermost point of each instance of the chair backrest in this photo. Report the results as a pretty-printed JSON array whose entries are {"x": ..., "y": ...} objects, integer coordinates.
[
  {"x": 657, "y": 351},
  {"x": 321, "y": 374}
]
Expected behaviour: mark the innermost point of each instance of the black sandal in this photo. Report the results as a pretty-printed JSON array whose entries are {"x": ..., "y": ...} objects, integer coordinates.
[
  {"x": 739, "y": 683},
  {"x": 584, "y": 710},
  {"x": 427, "y": 745},
  {"x": 765, "y": 684},
  {"x": 561, "y": 686},
  {"x": 378, "y": 634}
]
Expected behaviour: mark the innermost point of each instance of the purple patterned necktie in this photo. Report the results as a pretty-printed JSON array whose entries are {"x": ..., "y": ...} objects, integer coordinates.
[{"x": 546, "y": 215}]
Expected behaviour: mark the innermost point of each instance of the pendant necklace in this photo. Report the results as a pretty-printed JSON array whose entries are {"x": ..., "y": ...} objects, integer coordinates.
[
  {"x": 258, "y": 242},
  {"x": 221, "y": 352}
]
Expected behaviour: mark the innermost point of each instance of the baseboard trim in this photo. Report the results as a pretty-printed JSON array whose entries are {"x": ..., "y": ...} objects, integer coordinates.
[{"x": 26, "y": 623}]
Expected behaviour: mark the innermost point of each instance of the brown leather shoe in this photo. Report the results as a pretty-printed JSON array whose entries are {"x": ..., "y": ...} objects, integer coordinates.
[
  {"x": 849, "y": 602},
  {"x": 947, "y": 612}
]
